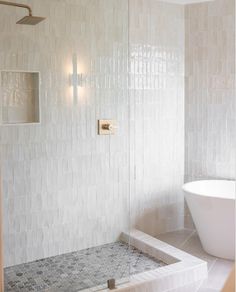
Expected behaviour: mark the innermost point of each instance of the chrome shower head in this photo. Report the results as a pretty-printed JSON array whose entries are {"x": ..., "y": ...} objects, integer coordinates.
[{"x": 30, "y": 20}]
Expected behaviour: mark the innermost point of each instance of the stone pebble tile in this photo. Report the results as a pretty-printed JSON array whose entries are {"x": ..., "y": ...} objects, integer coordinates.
[{"x": 79, "y": 270}]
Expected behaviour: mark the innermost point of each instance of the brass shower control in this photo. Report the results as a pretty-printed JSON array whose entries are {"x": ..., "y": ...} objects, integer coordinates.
[{"x": 107, "y": 127}]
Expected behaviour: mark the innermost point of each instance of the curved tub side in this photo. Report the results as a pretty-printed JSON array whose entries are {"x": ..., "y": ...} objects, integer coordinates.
[{"x": 214, "y": 219}]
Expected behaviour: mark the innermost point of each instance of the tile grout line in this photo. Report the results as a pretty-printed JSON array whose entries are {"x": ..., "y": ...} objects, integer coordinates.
[{"x": 188, "y": 238}]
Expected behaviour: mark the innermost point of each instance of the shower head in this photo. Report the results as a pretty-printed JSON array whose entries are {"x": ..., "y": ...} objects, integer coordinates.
[{"x": 30, "y": 19}]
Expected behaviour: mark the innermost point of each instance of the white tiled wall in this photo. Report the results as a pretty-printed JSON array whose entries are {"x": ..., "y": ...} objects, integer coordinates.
[
  {"x": 210, "y": 130},
  {"x": 20, "y": 97},
  {"x": 210, "y": 90},
  {"x": 64, "y": 187},
  {"x": 157, "y": 96}
]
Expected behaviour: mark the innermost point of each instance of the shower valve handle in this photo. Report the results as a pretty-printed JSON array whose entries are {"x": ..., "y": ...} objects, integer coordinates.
[{"x": 109, "y": 127}]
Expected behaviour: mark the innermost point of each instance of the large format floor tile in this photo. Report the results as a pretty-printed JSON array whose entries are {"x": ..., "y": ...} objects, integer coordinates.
[
  {"x": 218, "y": 269},
  {"x": 176, "y": 238},
  {"x": 193, "y": 246},
  {"x": 218, "y": 274}
]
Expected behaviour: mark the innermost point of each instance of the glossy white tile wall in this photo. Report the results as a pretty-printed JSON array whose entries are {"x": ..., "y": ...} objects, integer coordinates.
[
  {"x": 157, "y": 95},
  {"x": 210, "y": 90},
  {"x": 61, "y": 181},
  {"x": 65, "y": 188},
  {"x": 20, "y": 97}
]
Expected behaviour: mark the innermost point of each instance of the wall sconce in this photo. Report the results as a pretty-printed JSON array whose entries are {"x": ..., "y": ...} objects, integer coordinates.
[{"x": 75, "y": 79}]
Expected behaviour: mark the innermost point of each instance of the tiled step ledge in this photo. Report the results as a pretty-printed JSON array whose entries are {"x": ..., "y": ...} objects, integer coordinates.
[{"x": 182, "y": 269}]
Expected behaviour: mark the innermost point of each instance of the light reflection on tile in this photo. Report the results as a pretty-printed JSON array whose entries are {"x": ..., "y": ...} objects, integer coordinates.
[{"x": 210, "y": 90}]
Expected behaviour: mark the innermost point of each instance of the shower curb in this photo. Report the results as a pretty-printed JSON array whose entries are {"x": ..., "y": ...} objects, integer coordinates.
[{"x": 182, "y": 269}]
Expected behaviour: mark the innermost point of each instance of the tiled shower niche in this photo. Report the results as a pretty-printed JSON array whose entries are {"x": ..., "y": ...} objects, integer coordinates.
[{"x": 19, "y": 97}]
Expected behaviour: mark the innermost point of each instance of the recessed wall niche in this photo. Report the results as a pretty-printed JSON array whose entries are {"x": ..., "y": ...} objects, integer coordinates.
[{"x": 20, "y": 97}]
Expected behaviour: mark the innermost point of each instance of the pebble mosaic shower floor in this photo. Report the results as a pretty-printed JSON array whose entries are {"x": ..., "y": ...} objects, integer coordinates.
[{"x": 79, "y": 270}]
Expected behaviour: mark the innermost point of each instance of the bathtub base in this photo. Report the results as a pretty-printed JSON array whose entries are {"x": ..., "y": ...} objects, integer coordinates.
[
  {"x": 212, "y": 206},
  {"x": 216, "y": 233},
  {"x": 226, "y": 255}
]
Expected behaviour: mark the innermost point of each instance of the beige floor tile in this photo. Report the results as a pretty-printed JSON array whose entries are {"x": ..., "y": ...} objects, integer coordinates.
[
  {"x": 194, "y": 247},
  {"x": 218, "y": 274},
  {"x": 219, "y": 269},
  {"x": 176, "y": 238}
]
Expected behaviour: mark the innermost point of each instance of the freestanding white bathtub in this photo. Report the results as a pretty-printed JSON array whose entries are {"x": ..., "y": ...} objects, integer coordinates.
[{"x": 212, "y": 206}]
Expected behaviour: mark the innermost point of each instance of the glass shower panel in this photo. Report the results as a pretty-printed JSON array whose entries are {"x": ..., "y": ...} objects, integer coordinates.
[
  {"x": 105, "y": 103},
  {"x": 66, "y": 185},
  {"x": 157, "y": 37}
]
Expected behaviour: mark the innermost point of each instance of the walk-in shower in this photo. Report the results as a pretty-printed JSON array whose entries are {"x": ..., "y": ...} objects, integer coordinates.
[
  {"x": 78, "y": 206},
  {"x": 30, "y": 19}
]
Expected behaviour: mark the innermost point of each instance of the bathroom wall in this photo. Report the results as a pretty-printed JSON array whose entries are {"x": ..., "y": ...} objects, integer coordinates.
[
  {"x": 157, "y": 101},
  {"x": 210, "y": 90},
  {"x": 210, "y": 127},
  {"x": 64, "y": 187}
]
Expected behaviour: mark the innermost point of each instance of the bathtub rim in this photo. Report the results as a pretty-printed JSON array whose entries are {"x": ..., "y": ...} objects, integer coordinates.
[{"x": 204, "y": 194}]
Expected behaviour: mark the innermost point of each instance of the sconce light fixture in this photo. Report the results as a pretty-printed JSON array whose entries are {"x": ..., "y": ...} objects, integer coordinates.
[{"x": 75, "y": 79}]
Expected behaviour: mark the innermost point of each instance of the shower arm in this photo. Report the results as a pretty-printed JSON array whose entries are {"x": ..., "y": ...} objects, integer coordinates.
[{"x": 17, "y": 5}]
